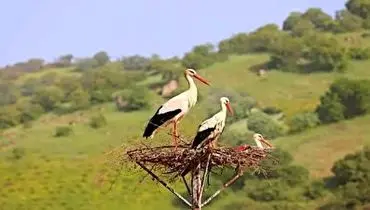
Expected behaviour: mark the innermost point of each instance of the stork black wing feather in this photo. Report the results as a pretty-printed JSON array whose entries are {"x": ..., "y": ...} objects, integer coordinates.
[
  {"x": 159, "y": 119},
  {"x": 201, "y": 136}
]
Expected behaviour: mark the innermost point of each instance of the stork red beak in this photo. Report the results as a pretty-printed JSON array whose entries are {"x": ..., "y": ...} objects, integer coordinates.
[
  {"x": 228, "y": 106},
  {"x": 201, "y": 79},
  {"x": 266, "y": 142}
]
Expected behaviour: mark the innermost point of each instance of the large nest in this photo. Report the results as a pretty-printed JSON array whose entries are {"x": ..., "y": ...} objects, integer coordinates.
[{"x": 171, "y": 161}]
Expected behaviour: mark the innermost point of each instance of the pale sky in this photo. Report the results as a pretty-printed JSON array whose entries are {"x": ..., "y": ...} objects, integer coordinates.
[{"x": 49, "y": 28}]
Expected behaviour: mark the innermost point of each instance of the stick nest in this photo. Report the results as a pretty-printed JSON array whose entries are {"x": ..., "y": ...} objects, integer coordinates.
[{"x": 171, "y": 161}]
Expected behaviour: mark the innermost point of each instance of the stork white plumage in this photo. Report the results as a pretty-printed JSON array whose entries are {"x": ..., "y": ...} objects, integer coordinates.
[
  {"x": 260, "y": 141},
  {"x": 176, "y": 108},
  {"x": 211, "y": 129}
]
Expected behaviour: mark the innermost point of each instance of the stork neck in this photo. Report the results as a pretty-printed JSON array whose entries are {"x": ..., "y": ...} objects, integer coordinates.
[
  {"x": 192, "y": 91},
  {"x": 259, "y": 144},
  {"x": 223, "y": 107},
  {"x": 223, "y": 110},
  {"x": 190, "y": 82}
]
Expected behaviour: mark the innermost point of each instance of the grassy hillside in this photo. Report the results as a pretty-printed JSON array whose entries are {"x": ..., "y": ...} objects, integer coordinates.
[{"x": 69, "y": 172}]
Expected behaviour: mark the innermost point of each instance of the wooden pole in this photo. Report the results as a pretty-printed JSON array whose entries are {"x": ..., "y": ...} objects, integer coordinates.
[{"x": 196, "y": 185}]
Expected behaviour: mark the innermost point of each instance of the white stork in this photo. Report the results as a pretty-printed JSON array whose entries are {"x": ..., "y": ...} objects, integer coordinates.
[
  {"x": 261, "y": 143},
  {"x": 174, "y": 109},
  {"x": 211, "y": 129}
]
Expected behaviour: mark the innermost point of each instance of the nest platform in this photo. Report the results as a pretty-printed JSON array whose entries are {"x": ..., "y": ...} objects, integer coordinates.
[
  {"x": 183, "y": 160},
  {"x": 170, "y": 161}
]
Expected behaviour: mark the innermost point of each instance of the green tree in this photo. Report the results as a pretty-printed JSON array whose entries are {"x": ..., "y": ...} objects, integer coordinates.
[
  {"x": 325, "y": 53},
  {"x": 168, "y": 68},
  {"x": 136, "y": 97},
  {"x": 76, "y": 100},
  {"x": 84, "y": 64},
  {"x": 319, "y": 18},
  {"x": 202, "y": 56},
  {"x": 135, "y": 62},
  {"x": 64, "y": 60},
  {"x": 347, "y": 22},
  {"x": 29, "y": 87},
  {"x": 260, "y": 122},
  {"x": 237, "y": 44},
  {"x": 354, "y": 95},
  {"x": 303, "y": 121},
  {"x": 291, "y": 21},
  {"x": 352, "y": 174},
  {"x": 303, "y": 27},
  {"x": 8, "y": 93},
  {"x": 28, "y": 111},
  {"x": 49, "y": 78},
  {"x": 286, "y": 54},
  {"x": 359, "y": 53},
  {"x": 264, "y": 37},
  {"x": 9, "y": 116},
  {"x": 48, "y": 98},
  {"x": 345, "y": 99},
  {"x": 101, "y": 58},
  {"x": 103, "y": 82},
  {"x": 330, "y": 109},
  {"x": 68, "y": 84},
  {"x": 359, "y": 7}
]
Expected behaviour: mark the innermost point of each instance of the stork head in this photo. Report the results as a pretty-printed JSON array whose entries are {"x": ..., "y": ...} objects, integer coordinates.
[
  {"x": 259, "y": 139},
  {"x": 193, "y": 73},
  {"x": 225, "y": 101}
]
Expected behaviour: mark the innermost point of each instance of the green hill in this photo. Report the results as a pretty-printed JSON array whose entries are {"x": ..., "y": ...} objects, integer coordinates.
[
  {"x": 69, "y": 171},
  {"x": 41, "y": 170}
]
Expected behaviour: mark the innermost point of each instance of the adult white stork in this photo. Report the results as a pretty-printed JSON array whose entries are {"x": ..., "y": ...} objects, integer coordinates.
[
  {"x": 260, "y": 141},
  {"x": 176, "y": 108},
  {"x": 211, "y": 129}
]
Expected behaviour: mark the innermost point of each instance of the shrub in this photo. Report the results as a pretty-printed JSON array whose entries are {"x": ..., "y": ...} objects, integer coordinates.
[
  {"x": 303, "y": 121},
  {"x": 345, "y": 99},
  {"x": 29, "y": 111},
  {"x": 271, "y": 110},
  {"x": 260, "y": 122},
  {"x": 17, "y": 153},
  {"x": 315, "y": 190},
  {"x": 272, "y": 190},
  {"x": 27, "y": 125},
  {"x": 135, "y": 98},
  {"x": 352, "y": 176},
  {"x": 293, "y": 175},
  {"x": 359, "y": 53},
  {"x": 61, "y": 131},
  {"x": 98, "y": 121},
  {"x": 48, "y": 97}
]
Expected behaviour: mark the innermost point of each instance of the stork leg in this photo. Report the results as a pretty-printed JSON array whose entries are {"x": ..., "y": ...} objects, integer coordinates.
[
  {"x": 214, "y": 143},
  {"x": 175, "y": 134}
]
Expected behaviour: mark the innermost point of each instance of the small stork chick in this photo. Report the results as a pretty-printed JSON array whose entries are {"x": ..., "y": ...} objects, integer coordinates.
[
  {"x": 260, "y": 142},
  {"x": 211, "y": 129},
  {"x": 175, "y": 108}
]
